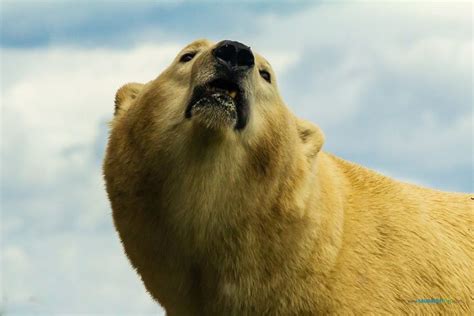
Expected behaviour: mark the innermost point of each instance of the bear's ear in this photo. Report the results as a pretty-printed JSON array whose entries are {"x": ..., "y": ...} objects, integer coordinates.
[
  {"x": 311, "y": 137},
  {"x": 126, "y": 95}
]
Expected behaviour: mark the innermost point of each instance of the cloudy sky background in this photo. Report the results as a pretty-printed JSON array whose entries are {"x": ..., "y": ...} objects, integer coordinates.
[{"x": 390, "y": 84}]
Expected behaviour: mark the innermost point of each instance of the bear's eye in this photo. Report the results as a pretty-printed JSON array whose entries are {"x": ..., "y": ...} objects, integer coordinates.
[
  {"x": 266, "y": 75},
  {"x": 187, "y": 57}
]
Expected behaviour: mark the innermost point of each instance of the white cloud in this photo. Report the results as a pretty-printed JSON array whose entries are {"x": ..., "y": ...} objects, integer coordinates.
[
  {"x": 54, "y": 107},
  {"x": 66, "y": 272},
  {"x": 60, "y": 93}
]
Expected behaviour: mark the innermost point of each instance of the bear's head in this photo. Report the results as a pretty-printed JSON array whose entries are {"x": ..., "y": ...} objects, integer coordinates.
[{"x": 219, "y": 91}]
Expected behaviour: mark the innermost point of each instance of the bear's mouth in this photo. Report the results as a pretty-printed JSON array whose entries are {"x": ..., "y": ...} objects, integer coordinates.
[{"x": 219, "y": 101}]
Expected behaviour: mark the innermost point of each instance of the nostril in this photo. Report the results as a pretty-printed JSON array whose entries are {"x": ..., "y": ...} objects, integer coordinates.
[
  {"x": 245, "y": 58},
  {"x": 226, "y": 52}
]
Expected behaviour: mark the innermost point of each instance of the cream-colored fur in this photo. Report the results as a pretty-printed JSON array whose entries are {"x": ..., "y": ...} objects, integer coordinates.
[{"x": 263, "y": 222}]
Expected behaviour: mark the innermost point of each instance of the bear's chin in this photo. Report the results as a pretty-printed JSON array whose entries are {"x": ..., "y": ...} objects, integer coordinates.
[{"x": 215, "y": 112}]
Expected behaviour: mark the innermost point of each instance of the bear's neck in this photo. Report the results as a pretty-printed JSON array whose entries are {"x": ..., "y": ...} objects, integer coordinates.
[
  {"x": 242, "y": 224},
  {"x": 230, "y": 198}
]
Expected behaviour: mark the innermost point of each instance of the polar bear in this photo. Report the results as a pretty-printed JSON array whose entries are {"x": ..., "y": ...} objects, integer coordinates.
[{"x": 226, "y": 204}]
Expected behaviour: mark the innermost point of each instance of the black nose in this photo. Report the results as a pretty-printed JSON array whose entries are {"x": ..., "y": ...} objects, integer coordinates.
[{"x": 234, "y": 55}]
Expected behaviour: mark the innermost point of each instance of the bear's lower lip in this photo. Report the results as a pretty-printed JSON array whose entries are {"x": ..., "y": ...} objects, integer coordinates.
[
  {"x": 219, "y": 100},
  {"x": 215, "y": 111}
]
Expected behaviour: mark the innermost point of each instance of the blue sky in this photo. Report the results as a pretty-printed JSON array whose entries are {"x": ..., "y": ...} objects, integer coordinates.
[{"x": 389, "y": 83}]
